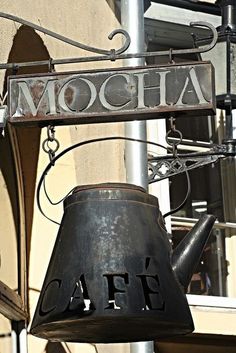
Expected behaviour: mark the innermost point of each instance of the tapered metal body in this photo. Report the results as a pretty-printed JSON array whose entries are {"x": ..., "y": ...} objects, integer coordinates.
[
  {"x": 110, "y": 277},
  {"x": 186, "y": 255}
]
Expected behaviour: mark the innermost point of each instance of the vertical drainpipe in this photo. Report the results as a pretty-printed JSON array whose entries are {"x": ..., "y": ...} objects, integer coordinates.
[{"x": 132, "y": 19}]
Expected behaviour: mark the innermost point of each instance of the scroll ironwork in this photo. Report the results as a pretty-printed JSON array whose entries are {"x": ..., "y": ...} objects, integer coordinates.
[{"x": 112, "y": 55}]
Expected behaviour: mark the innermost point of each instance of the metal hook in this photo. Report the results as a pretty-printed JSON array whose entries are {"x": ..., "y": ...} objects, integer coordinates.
[
  {"x": 51, "y": 133},
  {"x": 173, "y": 131},
  {"x": 202, "y": 49},
  {"x": 126, "y": 43},
  {"x": 51, "y": 65},
  {"x": 15, "y": 69},
  {"x": 171, "y": 61}
]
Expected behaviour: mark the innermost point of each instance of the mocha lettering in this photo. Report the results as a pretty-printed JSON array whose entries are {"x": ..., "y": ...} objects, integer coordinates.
[{"x": 97, "y": 96}]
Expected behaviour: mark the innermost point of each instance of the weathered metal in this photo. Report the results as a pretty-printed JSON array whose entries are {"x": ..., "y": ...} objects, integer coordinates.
[
  {"x": 163, "y": 168},
  {"x": 192, "y": 245},
  {"x": 168, "y": 165},
  {"x": 110, "y": 277},
  {"x": 112, "y": 95}
]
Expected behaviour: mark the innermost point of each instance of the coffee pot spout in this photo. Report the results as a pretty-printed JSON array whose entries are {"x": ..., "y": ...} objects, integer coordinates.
[{"x": 186, "y": 255}]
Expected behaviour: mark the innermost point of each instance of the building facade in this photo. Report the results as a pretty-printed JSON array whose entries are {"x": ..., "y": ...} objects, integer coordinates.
[{"x": 28, "y": 238}]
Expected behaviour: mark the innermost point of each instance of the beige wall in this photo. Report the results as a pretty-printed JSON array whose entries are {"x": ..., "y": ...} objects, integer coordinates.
[
  {"x": 5, "y": 329},
  {"x": 101, "y": 162},
  {"x": 82, "y": 21},
  {"x": 89, "y": 22},
  {"x": 8, "y": 252}
]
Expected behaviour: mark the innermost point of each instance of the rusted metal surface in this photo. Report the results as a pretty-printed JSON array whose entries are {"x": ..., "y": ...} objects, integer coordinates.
[
  {"x": 112, "y": 95},
  {"x": 113, "y": 276}
]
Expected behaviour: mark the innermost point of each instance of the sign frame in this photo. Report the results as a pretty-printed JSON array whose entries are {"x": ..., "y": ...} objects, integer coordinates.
[{"x": 141, "y": 93}]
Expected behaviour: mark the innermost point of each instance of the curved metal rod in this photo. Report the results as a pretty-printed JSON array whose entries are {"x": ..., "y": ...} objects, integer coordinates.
[
  {"x": 112, "y": 54},
  {"x": 199, "y": 50},
  {"x": 72, "y": 42},
  {"x": 70, "y": 148}
]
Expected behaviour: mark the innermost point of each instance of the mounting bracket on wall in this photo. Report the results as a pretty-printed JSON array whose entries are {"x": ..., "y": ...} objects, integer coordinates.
[
  {"x": 166, "y": 166},
  {"x": 112, "y": 54}
]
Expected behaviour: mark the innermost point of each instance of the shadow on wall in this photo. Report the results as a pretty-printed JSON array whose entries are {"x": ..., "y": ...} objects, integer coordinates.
[{"x": 27, "y": 46}]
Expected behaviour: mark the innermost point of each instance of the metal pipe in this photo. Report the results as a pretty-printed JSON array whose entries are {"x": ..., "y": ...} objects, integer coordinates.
[
  {"x": 156, "y": 130},
  {"x": 132, "y": 19},
  {"x": 204, "y": 7},
  {"x": 219, "y": 254},
  {"x": 189, "y": 222},
  {"x": 228, "y": 15},
  {"x": 142, "y": 347}
]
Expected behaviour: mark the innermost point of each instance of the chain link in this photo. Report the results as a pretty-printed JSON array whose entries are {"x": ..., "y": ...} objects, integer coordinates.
[
  {"x": 171, "y": 58},
  {"x": 173, "y": 132},
  {"x": 50, "y": 145}
]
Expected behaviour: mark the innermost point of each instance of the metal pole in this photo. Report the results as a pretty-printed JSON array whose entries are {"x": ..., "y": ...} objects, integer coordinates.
[
  {"x": 142, "y": 347},
  {"x": 219, "y": 254},
  {"x": 132, "y": 19}
]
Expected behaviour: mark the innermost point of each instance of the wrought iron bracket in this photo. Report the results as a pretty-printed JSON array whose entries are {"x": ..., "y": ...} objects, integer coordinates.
[
  {"x": 166, "y": 166},
  {"x": 112, "y": 55},
  {"x": 70, "y": 41}
]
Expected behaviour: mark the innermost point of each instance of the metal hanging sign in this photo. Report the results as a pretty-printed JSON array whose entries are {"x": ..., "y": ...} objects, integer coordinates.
[
  {"x": 113, "y": 276},
  {"x": 112, "y": 95}
]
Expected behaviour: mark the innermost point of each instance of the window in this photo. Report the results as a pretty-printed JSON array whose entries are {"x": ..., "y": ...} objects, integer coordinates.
[{"x": 214, "y": 273}]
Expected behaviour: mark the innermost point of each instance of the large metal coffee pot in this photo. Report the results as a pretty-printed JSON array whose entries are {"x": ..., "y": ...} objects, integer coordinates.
[{"x": 113, "y": 276}]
